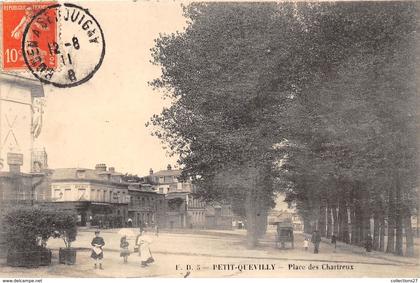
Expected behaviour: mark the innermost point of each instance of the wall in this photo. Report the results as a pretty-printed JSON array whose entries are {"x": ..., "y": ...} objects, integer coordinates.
[{"x": 88, "y": 191}]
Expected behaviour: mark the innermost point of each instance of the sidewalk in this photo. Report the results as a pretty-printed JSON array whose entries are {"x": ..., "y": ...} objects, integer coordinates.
[{"x": 217, "y": 247}]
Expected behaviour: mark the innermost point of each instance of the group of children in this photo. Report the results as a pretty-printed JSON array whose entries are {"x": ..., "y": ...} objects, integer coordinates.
[{"x": 142, "y": 246}]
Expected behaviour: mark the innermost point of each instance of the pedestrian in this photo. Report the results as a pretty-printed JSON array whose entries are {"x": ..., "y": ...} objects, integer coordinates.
[
  {"x": 368, "y": 243},
  {"x": 316, "y": 239},
  {"x": 129, "y": 222},
  {"x": 124, "y": 248},
  {"x": 141, "y": 225},
  {"x": 97, "y": 250},
  {"x": 306, "y": 243},
  {"x": 143, "y": 242},
  {"x": 334, "y": 241},
  {"x": 156, "y": 230}
]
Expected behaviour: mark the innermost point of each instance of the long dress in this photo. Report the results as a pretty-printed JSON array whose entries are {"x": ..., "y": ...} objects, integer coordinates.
[{"x": 144, "y": 242}]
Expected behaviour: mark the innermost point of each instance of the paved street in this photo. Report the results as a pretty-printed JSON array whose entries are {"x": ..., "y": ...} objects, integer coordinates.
[{"x": 221, "y": 254}]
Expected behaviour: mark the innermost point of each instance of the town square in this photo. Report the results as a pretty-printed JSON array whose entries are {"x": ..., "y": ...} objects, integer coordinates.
[{"x": 209, "y": 139}]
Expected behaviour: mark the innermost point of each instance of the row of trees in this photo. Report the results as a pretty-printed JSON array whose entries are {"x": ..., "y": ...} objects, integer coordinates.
[{"x": 315, "y": 100}]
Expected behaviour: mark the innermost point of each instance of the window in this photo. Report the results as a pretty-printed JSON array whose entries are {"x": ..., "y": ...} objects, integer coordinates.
[
  {"x": 81, "y": 194},
  {"x": 67, "y": 194},
  {"x": 81, "y": 174},
  {"x": 92, "y": 194},
  {"x": 57, "y": 194},
  {"x": 168, "y": 179}
]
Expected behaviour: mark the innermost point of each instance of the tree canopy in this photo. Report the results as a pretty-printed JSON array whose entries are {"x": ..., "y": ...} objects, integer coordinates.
[{"x": 317, "y": 100}]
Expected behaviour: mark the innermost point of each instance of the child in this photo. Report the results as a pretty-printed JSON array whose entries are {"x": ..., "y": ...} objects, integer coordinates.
[
  {"x": 306, "y": 243},
  {"x": 97, "y": 250},
  {"x": 124, "y": 248}
]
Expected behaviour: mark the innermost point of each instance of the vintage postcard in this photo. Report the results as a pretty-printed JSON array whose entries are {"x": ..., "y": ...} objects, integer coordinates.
[{"x": 209, "y": 139}]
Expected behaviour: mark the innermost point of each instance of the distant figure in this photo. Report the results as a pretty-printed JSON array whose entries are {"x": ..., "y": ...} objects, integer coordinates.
[
  {"x": 124, "y": 248},
  {"x": 97, "y": 251},
  {"x": 334, "y": 241},
  {"x": 368, "y": 243},
  {"x": 129, "y": 222},
  {"x": 316, "y": 239},
  {"x": 156, "y": 230},
  {"x": 306, "y": 243}
]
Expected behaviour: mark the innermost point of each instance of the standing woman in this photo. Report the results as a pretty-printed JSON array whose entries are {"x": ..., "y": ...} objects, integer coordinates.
[
  {"x": 97, "y": 250},
  {"x": 143, "y": 242}
]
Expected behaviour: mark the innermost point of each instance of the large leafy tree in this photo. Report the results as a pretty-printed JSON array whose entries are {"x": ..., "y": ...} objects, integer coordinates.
[{"x": 313, "y": 99}]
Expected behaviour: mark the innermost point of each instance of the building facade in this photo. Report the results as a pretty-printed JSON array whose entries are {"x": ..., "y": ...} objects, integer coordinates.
[
  {"x": 99, "y": 196},
  {"x": 183, "y": 209},
  {"x": 146, "y": 207}
]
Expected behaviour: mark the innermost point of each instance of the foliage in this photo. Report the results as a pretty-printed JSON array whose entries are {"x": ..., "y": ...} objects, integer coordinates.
[
  {"x": 317, "y": 100},
  {"x": 65, "y": 223},
  {"x": 25, "y": 227}
]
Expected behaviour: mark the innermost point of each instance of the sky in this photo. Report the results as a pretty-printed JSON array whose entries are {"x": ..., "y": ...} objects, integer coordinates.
[{"x": 103, "y": 120}]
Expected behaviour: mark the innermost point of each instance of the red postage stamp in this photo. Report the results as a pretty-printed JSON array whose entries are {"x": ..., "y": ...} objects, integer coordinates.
[{"x": 16, "y": 17}]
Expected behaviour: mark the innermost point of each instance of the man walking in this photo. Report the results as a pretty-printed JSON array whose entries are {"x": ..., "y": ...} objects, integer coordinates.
[{"x": 316, "y": 239}]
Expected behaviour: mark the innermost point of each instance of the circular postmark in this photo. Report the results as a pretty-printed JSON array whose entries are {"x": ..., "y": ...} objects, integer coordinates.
[{"x": 63, "y": 45}]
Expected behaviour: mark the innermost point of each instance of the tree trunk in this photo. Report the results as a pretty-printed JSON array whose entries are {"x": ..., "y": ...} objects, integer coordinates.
[
  {"x": 376, "y": 232},
  {"x": 360, "y": 226},
  {"x": 329, "y": 222},
  {"x": 365, "y": 215},
  {"x": 321, "y": 220},
  {"x": 261, "y": 221},
  {"x": 390, "y": 247},
  {"x": 382, "y": 233},
  {"x": 398, "y": 218},
  {"x": 335, "y": 220},
  {"x": 408, "y": 235},
  {"x": 251, "y": 220},
  {"x": 353, "y": 239},
  {"x": 342, "y": 221},
  {"x": 398, "y": 234},
  {"x": 306, "y": 226}
]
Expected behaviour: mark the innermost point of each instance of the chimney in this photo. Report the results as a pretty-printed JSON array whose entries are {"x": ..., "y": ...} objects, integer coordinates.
[
  {"x": 169, "y": 167},
  {"x": 151, "y": 171},
  {"x": 111, "y": 169},
  {"x": 100, "y": 167}
]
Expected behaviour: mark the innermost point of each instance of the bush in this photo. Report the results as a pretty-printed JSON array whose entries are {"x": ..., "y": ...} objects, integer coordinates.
[
  {"x": 65, "y": 225},
  {"x": 26, "y": 229}
]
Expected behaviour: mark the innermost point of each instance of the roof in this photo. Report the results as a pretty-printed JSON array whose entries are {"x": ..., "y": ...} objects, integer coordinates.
[
  {"x": 161, "y": 173},
  {"x": 66, "y": 174},
  {"x": 26, "y": 81}
]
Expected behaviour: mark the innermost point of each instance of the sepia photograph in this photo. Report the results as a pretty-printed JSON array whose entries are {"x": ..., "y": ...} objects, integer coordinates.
[{"x": 191, "y": 139}]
